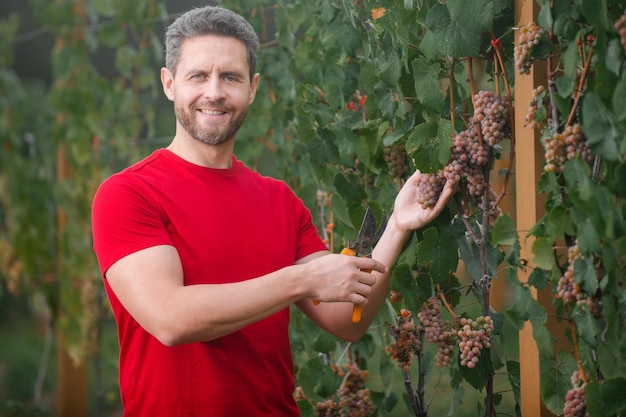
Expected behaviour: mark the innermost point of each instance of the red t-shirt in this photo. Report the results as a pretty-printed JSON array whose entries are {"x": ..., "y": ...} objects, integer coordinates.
[{"x": 227, "y": 225}]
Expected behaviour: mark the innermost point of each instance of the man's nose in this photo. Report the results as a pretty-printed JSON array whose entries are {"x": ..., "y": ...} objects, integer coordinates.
[{"x": 213, "y": 88}]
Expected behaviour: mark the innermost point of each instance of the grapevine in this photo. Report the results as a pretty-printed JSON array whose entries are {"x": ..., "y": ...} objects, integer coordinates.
[{"x": 470, "y": 154}]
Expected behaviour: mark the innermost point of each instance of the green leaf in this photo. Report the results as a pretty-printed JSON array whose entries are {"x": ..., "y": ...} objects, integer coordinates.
[
  {"x": 324, "y": 343},
  {"x": 504, "y": 231},
  {"x": 606, "y": 398},
  {"x": 475, "y": 15},
  {"x": 555, "y": 380},
  {"x": 323, "y": 149},
  {"x": 427, "y": 140},
  {"x": 414, "y": 291},
  {"x": 439, "y": 251},
  {"x": 619, "y": 100},
  {"x": 596, "y": 13},
  {"x": 543, "y": 251},
  {"x": 600, "y": 128},
  {"x": 350, "y": 188},
  {"x": 539, "y": 278},
  {"x": 478, "y": 376},
  {"x": 448, "y": 36},
  {"x": 427, "y": 84}
]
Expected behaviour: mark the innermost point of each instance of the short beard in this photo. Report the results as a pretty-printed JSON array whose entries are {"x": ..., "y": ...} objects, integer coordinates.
[{"x": 208, "y": 136}]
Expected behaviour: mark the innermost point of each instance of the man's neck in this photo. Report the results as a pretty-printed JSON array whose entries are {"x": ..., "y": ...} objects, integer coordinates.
[{"x": 198, "y": 153}]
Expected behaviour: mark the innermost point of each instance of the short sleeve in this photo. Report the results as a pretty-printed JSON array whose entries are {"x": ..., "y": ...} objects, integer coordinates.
[{"x": 125, "y": 220}]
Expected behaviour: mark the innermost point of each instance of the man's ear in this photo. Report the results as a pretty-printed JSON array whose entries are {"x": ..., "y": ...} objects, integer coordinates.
[
  {"x": 167, "y": 79},
  {"x": 254, "y": 84}
]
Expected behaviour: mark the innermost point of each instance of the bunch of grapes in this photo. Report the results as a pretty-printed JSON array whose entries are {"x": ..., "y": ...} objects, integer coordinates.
[
  {"x": 567, "y": 288},
  {"x": 570, "y": 292},
  {"x": 475, "y": 335},
  {"x": 430, "y": 317},
  {"x": 620, "y": 26},
  {"x": 327, "y": 408},
  {"x": 567, "y": 145},
  {"x": 396, "y": 159},
  {"x": 470, "y": 154},
  {"x": 447, "y": 342},
  {"x": 429, "y": 188},
  {"x": 354, "y": 399},
  {"x": 575, "y": 403},
  {"x": 536, "y": 102},
  {"x": 441, "y": 333},
  {"x": 529, "y": 37},
  {"x": 407, "y": 341},
  {"x": 490, "y": 112}
]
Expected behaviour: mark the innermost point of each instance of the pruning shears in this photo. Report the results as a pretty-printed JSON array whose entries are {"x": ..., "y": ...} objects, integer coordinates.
[{"x": 362, "y": 246}]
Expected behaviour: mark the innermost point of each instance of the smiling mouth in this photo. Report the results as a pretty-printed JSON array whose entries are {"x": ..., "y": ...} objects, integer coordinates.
[{"x": 212, "y": 112}]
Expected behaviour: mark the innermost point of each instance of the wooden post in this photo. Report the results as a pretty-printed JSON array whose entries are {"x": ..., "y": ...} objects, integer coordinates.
[
  {"x": 530, "y": 207},
  {"x": 72, "y": 379}
]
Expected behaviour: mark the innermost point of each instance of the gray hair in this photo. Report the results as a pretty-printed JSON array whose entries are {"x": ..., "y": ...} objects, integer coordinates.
[{"x": 209, "y": 20}]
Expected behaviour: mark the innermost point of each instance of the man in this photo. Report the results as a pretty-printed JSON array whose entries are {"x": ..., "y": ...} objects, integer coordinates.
[{"x": 202, "y": 257}]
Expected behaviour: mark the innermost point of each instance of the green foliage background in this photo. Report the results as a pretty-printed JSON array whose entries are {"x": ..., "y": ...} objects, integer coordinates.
[{"x": 338, "y": 87}]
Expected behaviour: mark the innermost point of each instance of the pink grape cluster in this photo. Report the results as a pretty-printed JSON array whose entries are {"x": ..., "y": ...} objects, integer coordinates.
[
  {"x": 529, "y": 37},
  {"x": 567, "y": 288},
  {"x": 567, "y": 145},
  {"x": 575, "y": 403},
  {"x": 441, "y": 333},
  {"x": 474, "y": 335},
  {"x": 396, "y": 158},
  {"x": 469, "y": 153},
  {"x": 429, "y": 188},
  {"x": 570, "y": 292},
  {"x": 407, "y": 342},
  {"x": 620, "y": 26},
  {"x": 536, "y": 102},
  {"x": 490, "y": 111}
]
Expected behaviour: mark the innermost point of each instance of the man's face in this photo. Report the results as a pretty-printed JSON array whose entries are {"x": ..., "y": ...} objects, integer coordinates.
[{"x": 211, "y": 89}]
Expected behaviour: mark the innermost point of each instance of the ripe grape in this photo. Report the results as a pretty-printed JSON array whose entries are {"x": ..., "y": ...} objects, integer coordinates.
[
  {"x": 490, "y": 111},
  {"x": 567, "y": 145},
  {"x": 567, "y": 288},
  {"x": 441, "y": 333},
  {"x": 397, "y": 160},
  {"x": 470, "y": 155},
  {"x": 529, "y": 37},
  {"x": 429, "y": 188},
  {"x": 474, "y": 335},
  {"x": 536, "y": 102},
  {"x": 575, "y": 402}
]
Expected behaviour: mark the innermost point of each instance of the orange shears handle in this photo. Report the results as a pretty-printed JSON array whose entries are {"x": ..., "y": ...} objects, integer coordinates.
[{"x": 356, "y": 311}]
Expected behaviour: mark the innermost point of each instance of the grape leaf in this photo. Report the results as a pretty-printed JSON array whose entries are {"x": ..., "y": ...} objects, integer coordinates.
[
  {"x": 504, "y": 231},
  {"x": 606, "y": 398},
  {"x": 543, "y": 253}
]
